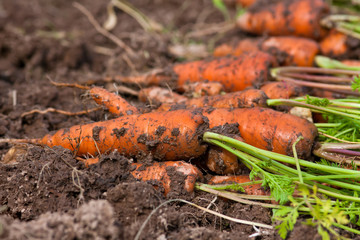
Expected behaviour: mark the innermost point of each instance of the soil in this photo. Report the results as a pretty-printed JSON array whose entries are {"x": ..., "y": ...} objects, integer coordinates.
[{"x": 47, "y": 194}]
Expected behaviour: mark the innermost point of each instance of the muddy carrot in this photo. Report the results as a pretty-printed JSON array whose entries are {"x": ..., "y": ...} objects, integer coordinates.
[
  {"x": 222, "y": 161},
  {"x": 113, "y": 102},
  {"x": 251, "y": 189},
  {"x": 234, "y": 73},
  {"x": 334, "y": 44},
  {"x": 176, "y": 135},
  {"x": 245, "y": 98},
  {"x": 163, "y": 173},
  {"x": 289, "y": 17},
  {"x": 288, "y": 50},
  {"x": 266, "y": 128},
  {"x": 275, "y": 90}
]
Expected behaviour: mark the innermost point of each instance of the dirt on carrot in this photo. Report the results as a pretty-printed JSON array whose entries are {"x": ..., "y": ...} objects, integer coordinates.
[
  {"x": 290, "y": 17},
  {"x": 288, "y": 50}
]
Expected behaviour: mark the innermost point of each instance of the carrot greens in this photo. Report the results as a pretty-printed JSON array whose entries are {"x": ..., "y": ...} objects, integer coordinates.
[{"x": 324, "y": 193}]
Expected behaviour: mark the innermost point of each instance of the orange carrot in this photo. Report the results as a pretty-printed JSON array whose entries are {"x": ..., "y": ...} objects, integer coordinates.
[
  {"x": 334, "y": 44},
  {"x": 163, "y": 172},
  {"x": 253, "y": 189},
  {"x": 288, "y": 50},
  {"x": 222, "y": 161},
  {"x": 113, "y": 102},
  {"x": 284, "y": 90},
  {"x": 234, "y": 73},
  {"x": 288, "y": 17},
  {"x": 245, "y": 98},
  {"x": 176, "y": 135},
  {"x": 268, "y": 129},
  {"x": 238, "y": 48}
]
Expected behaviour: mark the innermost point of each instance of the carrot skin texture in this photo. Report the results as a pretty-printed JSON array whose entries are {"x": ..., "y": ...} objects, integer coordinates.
[
  {"x": 158, "y": 171},
  {"x": 234, "y": 73},
  {"x": 176, "y": 135},
  {"x": 268, "y": 129},
  {"x": 334, "y": 44},
  {"x": 289, "y": 17},
  {"x": 222, "y": 161},
  {"x": 162, "y": 135},
  {"x": 245, "y": 98},
  {"x": 291, "y": 50},
  {"x": 254, "y": 189},
  {"x": 285, "y": 90},
  {"x": 113, "y": 102}
]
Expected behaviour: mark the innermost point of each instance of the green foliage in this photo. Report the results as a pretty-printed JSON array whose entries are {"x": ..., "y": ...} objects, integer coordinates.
[
  {"x": 321, "y": 102},
  {"x": 324, "y": 213},
  {"x": 355, "y": 86},
  {"x": 287, "y": 216},
  {"x": 220, "y": 5}
]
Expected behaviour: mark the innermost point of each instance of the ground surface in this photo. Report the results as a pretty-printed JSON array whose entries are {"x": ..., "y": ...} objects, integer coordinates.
[{"x": 47, "y": 194}]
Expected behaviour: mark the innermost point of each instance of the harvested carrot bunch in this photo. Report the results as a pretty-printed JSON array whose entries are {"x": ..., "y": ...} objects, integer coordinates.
[
  {"x": 289, "y": 17},
  {"x": 288, "y": 50},
  {"x": 234, "y": 73}
]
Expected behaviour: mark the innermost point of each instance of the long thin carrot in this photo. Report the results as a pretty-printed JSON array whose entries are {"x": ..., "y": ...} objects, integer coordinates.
[
  {"x": 113, "y": 102},
  {"x": 288, "y": 17},
  {"x": 163, "y": 173},
  {"x": 234, "y": 73},
  {"x": 288, "y": 50}
]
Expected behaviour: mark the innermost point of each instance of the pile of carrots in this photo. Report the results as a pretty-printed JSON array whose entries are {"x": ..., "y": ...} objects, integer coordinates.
[{"x": 226, "y": 94}]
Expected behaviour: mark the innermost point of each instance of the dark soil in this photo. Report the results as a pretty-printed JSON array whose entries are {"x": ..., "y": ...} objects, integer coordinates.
[{"x": 47, "y": 194}]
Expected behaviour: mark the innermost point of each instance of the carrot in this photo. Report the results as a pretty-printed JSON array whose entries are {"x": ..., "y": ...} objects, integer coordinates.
[
  {"x": 245, "y": 98},
  {"x": 113, "y": 102},
  {"x": 288, "y": 17},
  {"x": 268, "y": 129},
  {"x": 334, "y": 44},
  {"x": 253, "y": 189},
  {"x": 222, "y": 161},
  {"x": 275, "y": 90},
  {"x": 234, "y": 73},
  {"x": 288, "y": 50},
  {"x": 176, "y": 135},
  {"x": 163, "y": 172}
]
